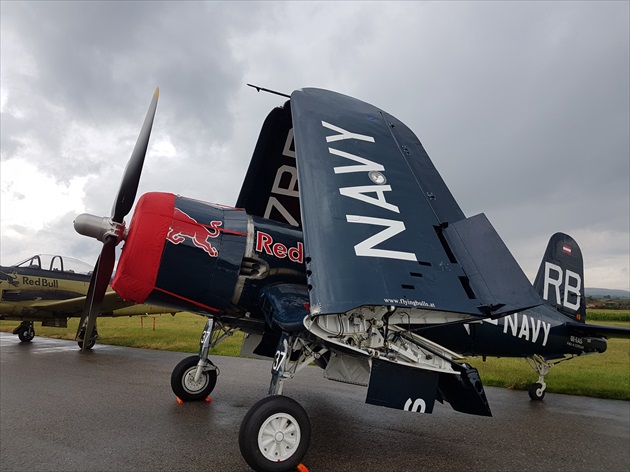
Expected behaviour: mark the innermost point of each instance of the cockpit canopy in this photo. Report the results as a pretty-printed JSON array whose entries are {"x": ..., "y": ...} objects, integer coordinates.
[{"x": 56, "y": 263}]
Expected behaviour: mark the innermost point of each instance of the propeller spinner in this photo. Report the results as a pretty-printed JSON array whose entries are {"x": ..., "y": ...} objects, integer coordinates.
[{"x": 111, "y": 230}]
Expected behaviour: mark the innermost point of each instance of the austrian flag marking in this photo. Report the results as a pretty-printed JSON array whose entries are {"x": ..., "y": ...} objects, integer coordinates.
[{"x": 566, "y": 249}]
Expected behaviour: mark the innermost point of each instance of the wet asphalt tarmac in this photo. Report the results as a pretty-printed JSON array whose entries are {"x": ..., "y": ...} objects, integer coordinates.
[{"x": 112, "y": 410}]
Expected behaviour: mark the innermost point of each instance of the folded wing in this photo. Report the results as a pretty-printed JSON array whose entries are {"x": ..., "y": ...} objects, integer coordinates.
[{"x": 380, "y": 225}]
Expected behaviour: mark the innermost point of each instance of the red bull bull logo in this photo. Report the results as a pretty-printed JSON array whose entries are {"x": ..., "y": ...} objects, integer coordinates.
[{"x": 183, "y": 226}]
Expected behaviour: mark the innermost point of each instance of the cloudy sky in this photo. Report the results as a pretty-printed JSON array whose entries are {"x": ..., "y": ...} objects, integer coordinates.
[{"x": 522, "y": 106}]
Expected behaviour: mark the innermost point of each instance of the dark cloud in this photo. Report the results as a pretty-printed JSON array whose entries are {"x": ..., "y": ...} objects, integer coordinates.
[
  {"x": 523, "y": 106},
  {"x": 94, "y": 60}
]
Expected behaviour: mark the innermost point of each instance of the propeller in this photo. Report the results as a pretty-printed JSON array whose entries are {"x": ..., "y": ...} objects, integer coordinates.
[{"x": 111, "y": 230}]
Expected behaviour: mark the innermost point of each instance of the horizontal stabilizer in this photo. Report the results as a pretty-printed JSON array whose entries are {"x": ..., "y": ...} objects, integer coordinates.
[
  {"x": 581, "y": 329},
  {"x": 493, "y": 276}
]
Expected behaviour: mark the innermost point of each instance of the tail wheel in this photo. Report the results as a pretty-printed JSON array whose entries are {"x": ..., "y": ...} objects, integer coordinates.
[
  {"x": 183, "y": 381},
  {"x": 275, "y": 434},
  {"x": 536, "y": 391}
]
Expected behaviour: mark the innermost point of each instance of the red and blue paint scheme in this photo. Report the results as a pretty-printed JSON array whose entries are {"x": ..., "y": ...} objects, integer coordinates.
[
  {"x": 348, "y": 250},
  {"x": 230, "y": 259}
]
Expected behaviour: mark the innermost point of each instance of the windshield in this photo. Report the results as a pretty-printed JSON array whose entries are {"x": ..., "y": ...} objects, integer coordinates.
[{"x": 58, "y": 263}]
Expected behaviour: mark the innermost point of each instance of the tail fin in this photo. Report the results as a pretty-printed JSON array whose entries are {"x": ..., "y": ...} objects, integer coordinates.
[
  {"x": 270, "y": 188},
  {"x": 560, "y": 278}
]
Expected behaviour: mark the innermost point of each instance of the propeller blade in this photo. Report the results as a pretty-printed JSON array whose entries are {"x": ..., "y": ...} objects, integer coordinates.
[
  {"x": 88, "y": 300},
  {"x": 96, "y": 291},
  {"x": 131, "y": 177},
  {"x": 111, "y": 231}
]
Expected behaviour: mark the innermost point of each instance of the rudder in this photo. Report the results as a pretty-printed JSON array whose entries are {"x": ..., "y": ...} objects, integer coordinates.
[{"x": 560, "y": 277}]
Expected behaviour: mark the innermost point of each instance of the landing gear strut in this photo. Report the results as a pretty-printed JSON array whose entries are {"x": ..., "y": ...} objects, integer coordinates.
[
  {"x": 195, "y": 377},
  {"x": 25, "y": 331},
  {"x": 542, "y": 367},
  {"x": 276, "y": 432},
  {"x": 187, "y": 385}
]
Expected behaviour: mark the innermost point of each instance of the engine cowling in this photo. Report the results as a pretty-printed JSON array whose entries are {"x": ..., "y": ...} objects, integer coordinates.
[
  {"x": 206, "y": 258},
  {"x": 182, "y": 253}
]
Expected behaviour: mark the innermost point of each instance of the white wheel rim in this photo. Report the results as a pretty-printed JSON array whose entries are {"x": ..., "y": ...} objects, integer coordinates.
[
  {"x": 189, "y": 383},
  {"x": 279, "y": 437}
]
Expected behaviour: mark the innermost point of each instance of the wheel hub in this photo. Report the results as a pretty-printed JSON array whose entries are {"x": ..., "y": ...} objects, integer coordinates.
[
  {"x": 279, "y": 437},
  {"x": 189, "y": 381}
]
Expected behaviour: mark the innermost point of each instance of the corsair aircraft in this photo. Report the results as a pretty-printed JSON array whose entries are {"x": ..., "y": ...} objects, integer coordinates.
[
  {"x": 51, "y": 289},
  {"x": 368, "y": 268}
]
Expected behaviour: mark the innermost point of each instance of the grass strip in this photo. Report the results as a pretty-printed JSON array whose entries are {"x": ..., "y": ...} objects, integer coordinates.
[{"x": 604, "y": 375}]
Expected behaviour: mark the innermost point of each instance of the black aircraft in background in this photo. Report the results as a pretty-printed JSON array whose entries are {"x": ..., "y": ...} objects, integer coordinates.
[{"x": 368, "y": 268}]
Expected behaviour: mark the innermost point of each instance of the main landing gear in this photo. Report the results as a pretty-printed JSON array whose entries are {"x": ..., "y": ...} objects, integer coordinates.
[
  {"x": 91, "y": 342},
  {"x": 25, "y": 331},
  {"x": 276, "y": 432},
  {"x": 195, "y": 377}
]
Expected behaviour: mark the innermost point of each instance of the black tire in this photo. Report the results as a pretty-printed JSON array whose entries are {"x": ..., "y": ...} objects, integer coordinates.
[
  {"x": 91, "y": 343},
  {"x": 183, "y": 380},
  {"x": 284, "y": 423},
  {"x": 536, "y": 393},
  {"x": 26, "y": 334}
]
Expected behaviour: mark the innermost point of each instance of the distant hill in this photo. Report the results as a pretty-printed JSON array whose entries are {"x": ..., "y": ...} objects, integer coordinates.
[{"x": 606, "y": 293}]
